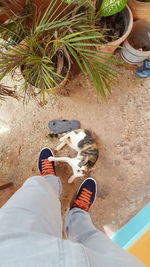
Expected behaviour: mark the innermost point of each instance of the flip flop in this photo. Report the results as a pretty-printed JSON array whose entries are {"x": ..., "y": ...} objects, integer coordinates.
[
  {"x": 63, "y": 126},
  {"x": 144, "y": 70}
]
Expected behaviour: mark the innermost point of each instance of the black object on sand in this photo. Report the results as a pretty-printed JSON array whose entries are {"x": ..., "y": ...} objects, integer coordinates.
[{"x": 63, "y": 126}]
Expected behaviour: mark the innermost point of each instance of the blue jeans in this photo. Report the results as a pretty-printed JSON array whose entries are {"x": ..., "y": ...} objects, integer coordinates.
[{"x": 31, "y": 232}]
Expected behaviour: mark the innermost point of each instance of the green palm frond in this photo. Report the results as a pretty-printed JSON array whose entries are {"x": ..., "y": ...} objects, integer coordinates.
[
  {"x": 95, "y": 63},
  {"x": 57, "y": 17},
  {"x": 59, "y": 29}
]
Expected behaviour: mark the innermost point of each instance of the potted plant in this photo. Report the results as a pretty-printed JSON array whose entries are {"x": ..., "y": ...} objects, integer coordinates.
[
  {"x": 53, "y": 35},
  {"x": 117, "y": 18},
  {"x": 140, "y": 9},
  {"x": 137, "y": 46}
]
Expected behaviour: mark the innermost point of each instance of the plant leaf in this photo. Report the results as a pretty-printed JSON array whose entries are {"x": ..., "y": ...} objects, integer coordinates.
[
  {"x": 111, "y": 7},
  {"x": 76, "y": 57}
]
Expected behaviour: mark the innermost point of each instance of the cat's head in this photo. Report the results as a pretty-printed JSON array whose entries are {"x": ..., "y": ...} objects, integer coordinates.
[{"x": 81, "y": 171}]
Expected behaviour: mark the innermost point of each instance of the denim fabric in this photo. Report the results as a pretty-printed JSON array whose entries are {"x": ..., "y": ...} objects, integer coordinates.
[{"x": 31, "y": 232}]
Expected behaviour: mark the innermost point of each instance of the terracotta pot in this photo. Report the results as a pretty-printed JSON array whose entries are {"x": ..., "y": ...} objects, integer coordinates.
[
  {"x": 137, "y": 46},
  {"x": 112, "y": 46},
  {"x": 41, "y": 6},
  {"x": 140, "y": 10}
]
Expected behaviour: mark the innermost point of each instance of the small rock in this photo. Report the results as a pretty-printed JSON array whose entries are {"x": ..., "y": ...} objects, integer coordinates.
[
  {"x": 138, "y": 149},
  {"x": 103, "y": 193},
  {"x": 120, "y": 178},
  {"x": 132, "y": 162},
  {"x": 131, "y": 148},
  {"x": 127, "y": 158},
  {"x": 125, "y": 152},
  {"x": 117, "y": 162}
]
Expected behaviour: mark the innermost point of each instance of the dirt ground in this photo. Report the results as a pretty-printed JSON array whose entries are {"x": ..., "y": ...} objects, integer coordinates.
[{"x": 121, "y": 128}]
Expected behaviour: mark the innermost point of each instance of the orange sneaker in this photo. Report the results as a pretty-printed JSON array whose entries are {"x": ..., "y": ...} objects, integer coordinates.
[
  {"x": 86, "y": 195},
  {"x": 44, "y": 165}
]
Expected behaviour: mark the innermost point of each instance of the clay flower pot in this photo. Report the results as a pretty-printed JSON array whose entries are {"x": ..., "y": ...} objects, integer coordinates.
[
  {"x": 112, "y": 46},
  {"x": 137, "y": 46},
  {"x": 140, "y": 10},
  {"x": 62, "y": 68}
]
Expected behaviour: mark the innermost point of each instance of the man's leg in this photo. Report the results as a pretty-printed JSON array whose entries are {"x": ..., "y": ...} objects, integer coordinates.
[
  {"x": 79, "y": 228},
  {"x": 78, "y": 225},
  {"x": 35, "y": 206}
]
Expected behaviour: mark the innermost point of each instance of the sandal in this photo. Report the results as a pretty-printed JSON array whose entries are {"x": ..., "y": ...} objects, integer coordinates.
[
  {"x": 63, "y": 126},
  {"x": 144, "y": 70}
]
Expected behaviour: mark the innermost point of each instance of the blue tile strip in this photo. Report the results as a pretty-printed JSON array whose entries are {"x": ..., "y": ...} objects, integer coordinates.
[{"x": 136, "y": 227}]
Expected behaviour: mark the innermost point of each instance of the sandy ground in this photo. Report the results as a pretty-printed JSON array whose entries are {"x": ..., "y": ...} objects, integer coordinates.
[{"x": 120, "y": 127}]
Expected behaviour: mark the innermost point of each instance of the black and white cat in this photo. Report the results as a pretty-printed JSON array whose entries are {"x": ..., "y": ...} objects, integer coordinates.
[{"x": 87, "y": 152}]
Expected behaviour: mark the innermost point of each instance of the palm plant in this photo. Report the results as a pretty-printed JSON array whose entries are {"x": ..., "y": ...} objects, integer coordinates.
[{"x": 49, "y": 35}]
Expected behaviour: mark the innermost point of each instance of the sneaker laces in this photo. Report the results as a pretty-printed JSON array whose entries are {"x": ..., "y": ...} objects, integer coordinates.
[
  {"x": 83, "y": 201},
  {"x": 47, "y": 167}
]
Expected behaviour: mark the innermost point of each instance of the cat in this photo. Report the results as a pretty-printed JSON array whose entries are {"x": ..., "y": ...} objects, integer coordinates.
[{"x": 87, "y": 152}]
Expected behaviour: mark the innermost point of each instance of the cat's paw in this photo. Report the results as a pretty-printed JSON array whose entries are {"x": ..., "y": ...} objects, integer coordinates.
[
  {"x": 50, "y": 158},
  {"x": 61, "y": 139},
  {"x": 70, "y": 180},
  {"x": 58, "y": 147}
]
